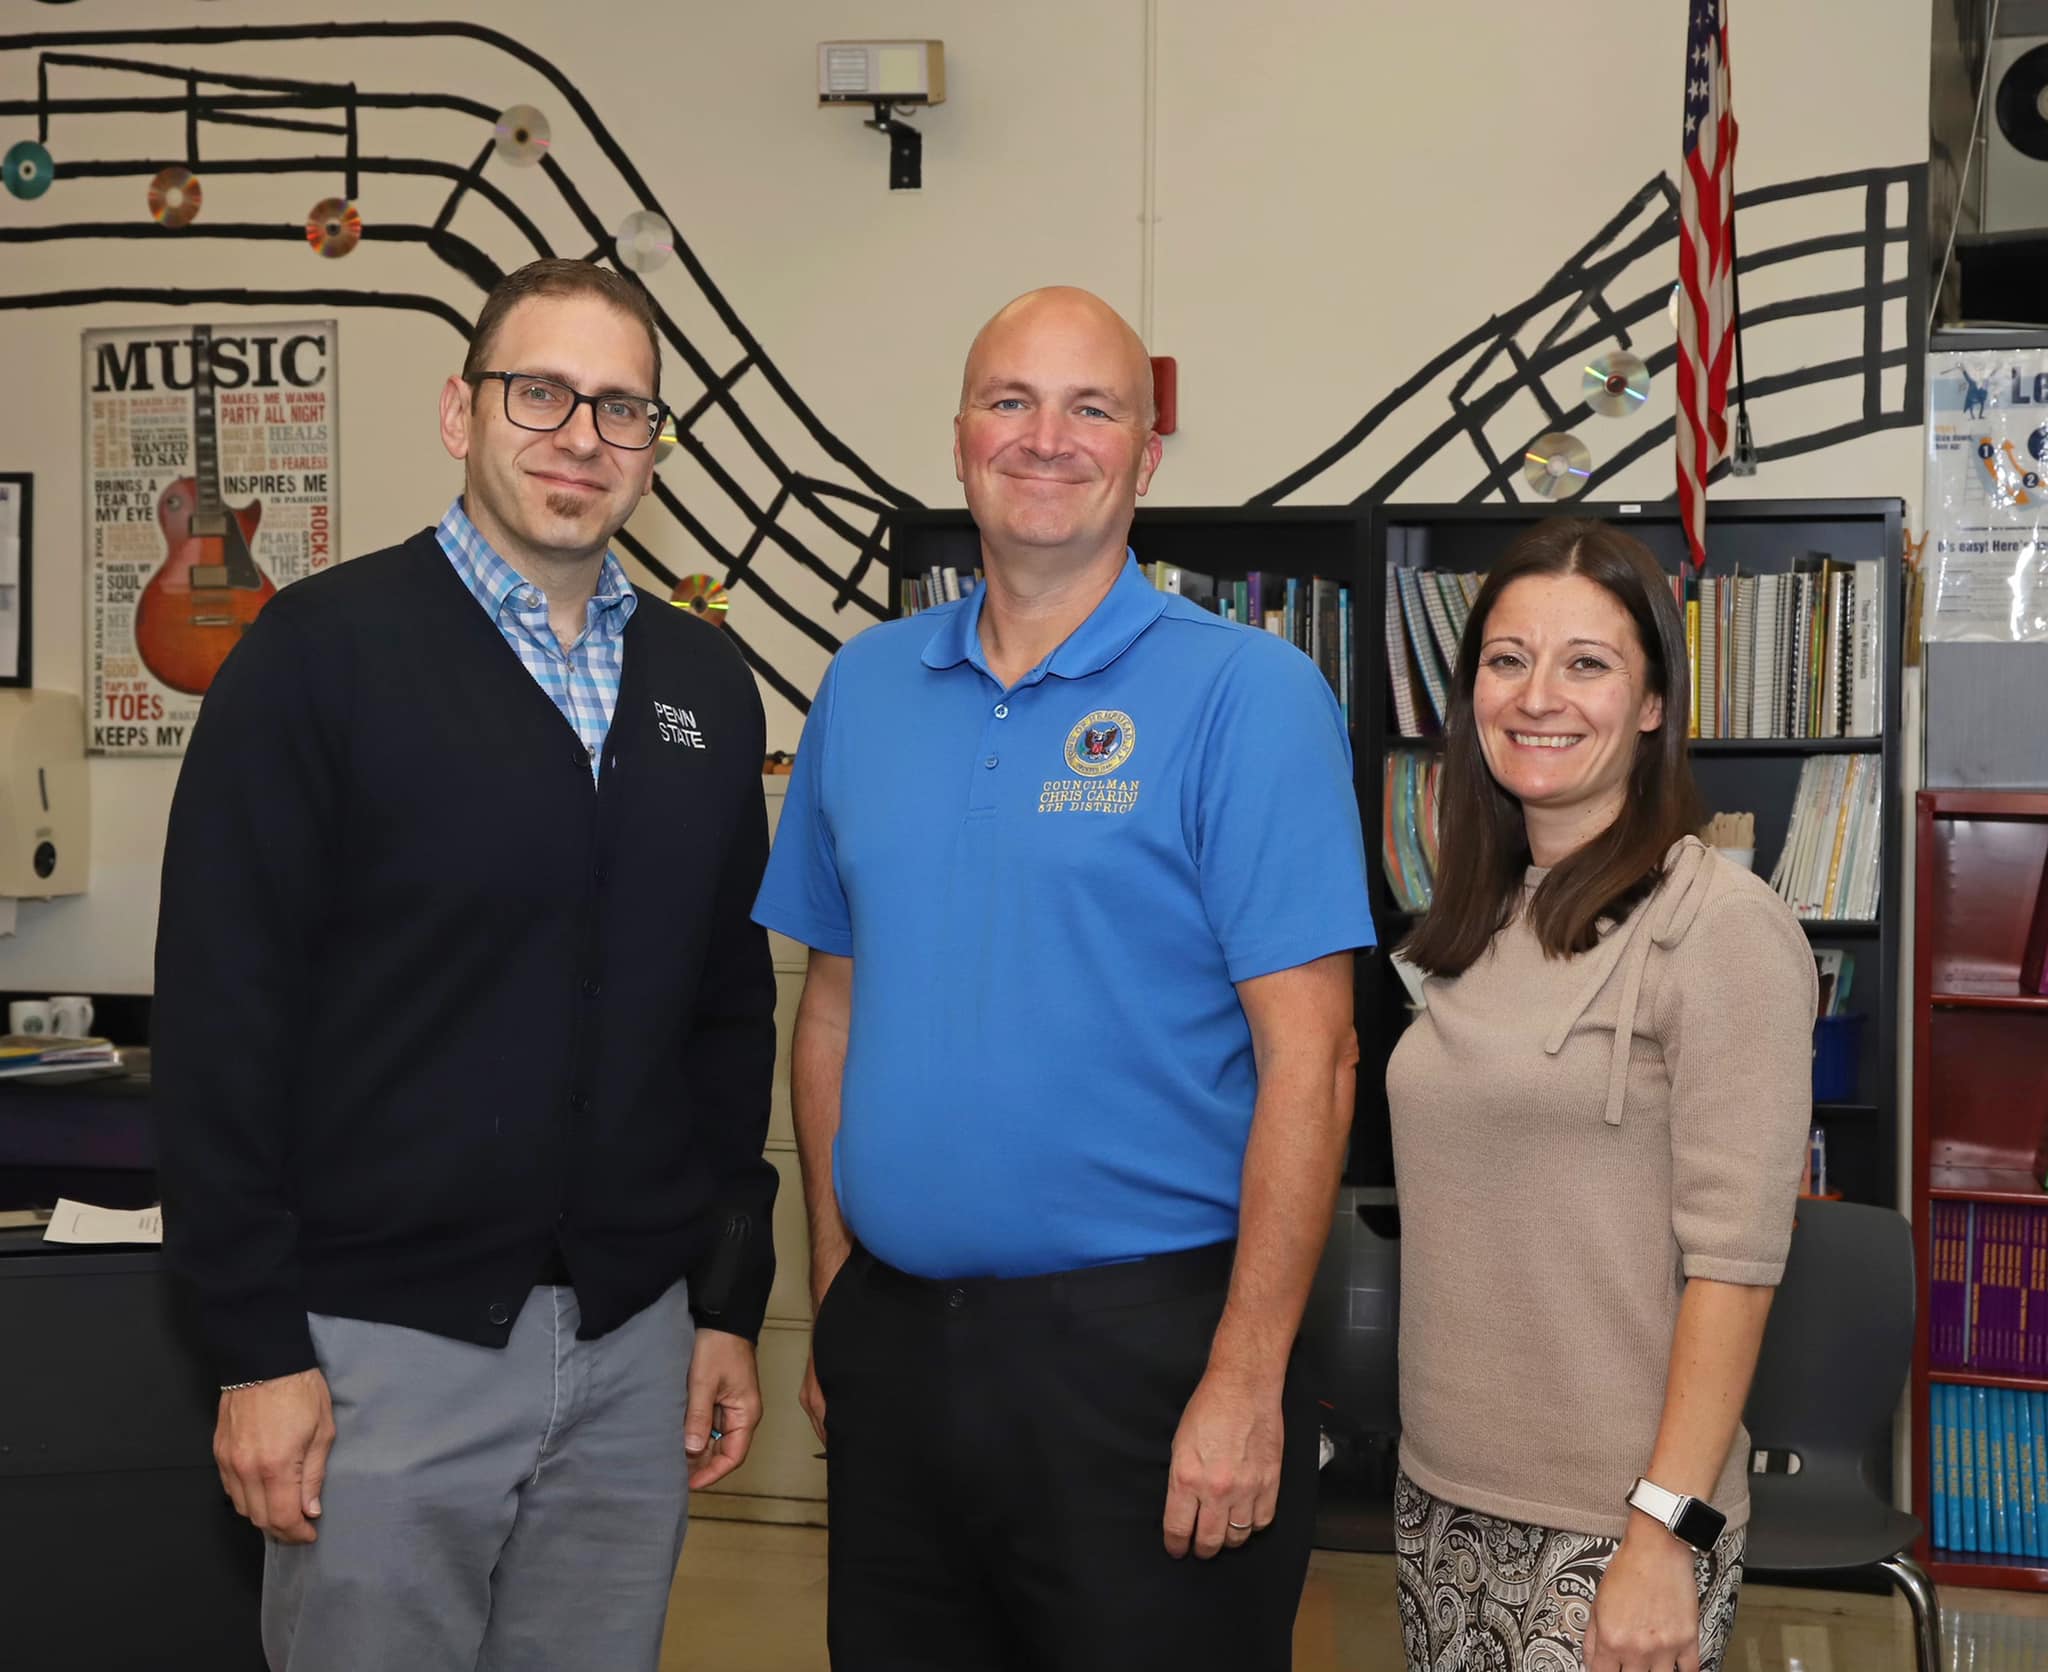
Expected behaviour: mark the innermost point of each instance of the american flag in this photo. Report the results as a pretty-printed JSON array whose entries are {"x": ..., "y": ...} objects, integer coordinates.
[{"x": 1706, "y": 264}]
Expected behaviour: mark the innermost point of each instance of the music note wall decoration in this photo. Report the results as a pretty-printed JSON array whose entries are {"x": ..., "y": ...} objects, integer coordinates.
[{"x": 758, "y": 490}]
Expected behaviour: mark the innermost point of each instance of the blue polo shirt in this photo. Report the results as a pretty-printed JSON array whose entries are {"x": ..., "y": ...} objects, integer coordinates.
[{"x": 1048, "y": 894}]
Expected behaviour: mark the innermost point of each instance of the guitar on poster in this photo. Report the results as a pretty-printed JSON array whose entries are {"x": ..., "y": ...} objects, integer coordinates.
[{"x": 197, "y": 606}]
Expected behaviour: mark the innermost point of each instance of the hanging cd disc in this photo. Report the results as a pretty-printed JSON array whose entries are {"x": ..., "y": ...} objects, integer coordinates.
[
  {"x": 27, "y": 169},
  {"x": 701, "y": 595},
  {"x": 645, "y": 240},
  {"x": 333, "y": 227},
  {"x": 523, "y": 136},
  {"x": 1556, "y": 465},
  {"x": 175, "y": 197},
  {"x": 2022, "y": 103},
  {"x": 1616, "y": 384},
  {"x": 665, "y": 439}
]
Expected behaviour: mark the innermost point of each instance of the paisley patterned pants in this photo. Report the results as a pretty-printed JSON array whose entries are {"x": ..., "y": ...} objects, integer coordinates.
[{"x": 1479, "y": 1594}]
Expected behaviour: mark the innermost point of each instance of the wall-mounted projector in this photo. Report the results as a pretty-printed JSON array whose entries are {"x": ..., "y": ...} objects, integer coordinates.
[{"x": 882, "y": 72}]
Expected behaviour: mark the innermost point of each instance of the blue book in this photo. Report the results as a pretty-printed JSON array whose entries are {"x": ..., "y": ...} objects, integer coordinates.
[
  {"x": 1937, "y": 1464},
  {"x": 1962, "y": 1468},
  {"x": 2039, "y": 1402},
  {"x": 2030, "y": 1509},
  {"x": 1962, "y": 1464},
  {"x": 2015, "y": 1516},
  {"x": 1980, "y": 1430},
  {"x": 1994, "y": 1426}
]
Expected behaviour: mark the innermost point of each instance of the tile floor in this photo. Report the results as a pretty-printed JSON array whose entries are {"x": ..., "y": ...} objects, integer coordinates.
[{"x": 751, "y": 1598}]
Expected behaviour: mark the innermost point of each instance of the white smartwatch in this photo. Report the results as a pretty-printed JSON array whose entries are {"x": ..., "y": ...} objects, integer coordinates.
[{"x": 1698, "y": 1523}]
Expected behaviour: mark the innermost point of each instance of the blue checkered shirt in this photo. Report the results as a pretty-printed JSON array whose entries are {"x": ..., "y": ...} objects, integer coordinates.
[{"x": 584, "y": 679}]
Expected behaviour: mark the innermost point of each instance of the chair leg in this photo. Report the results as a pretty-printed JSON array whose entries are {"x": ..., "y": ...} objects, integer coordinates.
[{"x": 1911, "y": 1578}]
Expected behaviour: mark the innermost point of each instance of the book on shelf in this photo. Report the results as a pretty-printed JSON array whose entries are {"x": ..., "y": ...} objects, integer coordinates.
[
  {"x": 1937, "y": 1466},
  {"x": 2033, "y": 1489},
  {"x": 1831, "y": 863},
  {"x": 1948, "y": 1283},
  {"x": 1994, "y": 1468},
  {"x": 1792, "y": 654},
  {"x": 1979, "y": 1419},
  {"x": 1408, "y": 845},
  {"x": 1987, "y": 1296},
  {"x": 1835, "y": 970},
  {"x": 1427, "y": 613},
  {"x": 941, "y": 583},
  {"x": 1310, "y": 612}
]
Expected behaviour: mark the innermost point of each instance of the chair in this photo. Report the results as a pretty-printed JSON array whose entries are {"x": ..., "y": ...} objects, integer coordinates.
[{"x": 1835, "y": 1354}]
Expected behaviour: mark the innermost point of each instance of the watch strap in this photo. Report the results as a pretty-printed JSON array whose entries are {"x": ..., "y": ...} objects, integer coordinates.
[{"x": 1655, "y": 1502}]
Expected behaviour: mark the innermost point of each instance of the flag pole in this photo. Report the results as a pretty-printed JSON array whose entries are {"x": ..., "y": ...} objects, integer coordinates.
[{"x": 1742, "y": 458}]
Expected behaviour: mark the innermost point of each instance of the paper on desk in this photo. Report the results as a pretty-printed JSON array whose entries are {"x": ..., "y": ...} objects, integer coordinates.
[{"x": 81, "y": 1222}]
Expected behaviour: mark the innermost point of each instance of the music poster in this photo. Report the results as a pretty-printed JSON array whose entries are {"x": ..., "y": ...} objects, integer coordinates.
[{"x": 209, "y": 483}]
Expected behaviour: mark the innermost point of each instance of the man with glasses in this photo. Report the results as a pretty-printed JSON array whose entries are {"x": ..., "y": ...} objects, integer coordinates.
[{"x": 464, "y": 1042}]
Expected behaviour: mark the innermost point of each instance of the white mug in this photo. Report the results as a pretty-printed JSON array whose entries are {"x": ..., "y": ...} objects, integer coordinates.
[
  {"x": 29, "y": 1016},
  {"x": 71, "y": 1015}
]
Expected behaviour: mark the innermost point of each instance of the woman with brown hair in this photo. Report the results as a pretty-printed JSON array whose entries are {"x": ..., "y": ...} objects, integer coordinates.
[{"x": 1598, "y": 1120}]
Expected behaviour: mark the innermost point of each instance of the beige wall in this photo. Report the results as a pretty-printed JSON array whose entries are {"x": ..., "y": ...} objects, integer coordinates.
[{"x": 1341, "y": 189}]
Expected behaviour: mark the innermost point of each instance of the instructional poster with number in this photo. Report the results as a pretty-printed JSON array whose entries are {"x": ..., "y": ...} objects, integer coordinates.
[
  {"x": 1987, "y": 496},
  {"x": 209, "y": 484}
]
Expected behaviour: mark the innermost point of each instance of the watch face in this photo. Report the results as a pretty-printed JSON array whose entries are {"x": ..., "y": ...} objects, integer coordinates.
[{"x": 1700, "y": 1524}]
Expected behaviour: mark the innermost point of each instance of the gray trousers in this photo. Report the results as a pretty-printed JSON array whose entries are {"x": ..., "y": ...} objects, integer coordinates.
[{"x": 514, "y": 1510}]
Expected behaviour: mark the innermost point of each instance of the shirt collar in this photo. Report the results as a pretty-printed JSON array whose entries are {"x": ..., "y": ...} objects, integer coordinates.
[
  {"x": 1129, "y": 607},
  {"x": 495, "y": 584}
]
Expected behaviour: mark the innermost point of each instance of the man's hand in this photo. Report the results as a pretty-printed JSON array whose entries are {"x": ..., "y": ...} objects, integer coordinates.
[
  {"x": 1226, "y": 1466},
  {"x": 270, "y": 1444},
  {"x": 812, "y": 1398},
  {"x": 725, "y": 1395},
  {"x": 1646, "y": 1608},
  {"x": 827, "y": 1261}
]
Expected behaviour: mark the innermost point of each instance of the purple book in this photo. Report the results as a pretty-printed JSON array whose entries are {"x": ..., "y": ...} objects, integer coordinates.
[
  {"x": 2036, "y": 1355},
  {"x": 1948, "y": 1292},
  {"x": 2001, "y": 1248}
]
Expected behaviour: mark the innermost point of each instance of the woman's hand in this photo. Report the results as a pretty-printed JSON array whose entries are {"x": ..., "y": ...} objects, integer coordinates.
[{"x": 1646, "y": 1610}]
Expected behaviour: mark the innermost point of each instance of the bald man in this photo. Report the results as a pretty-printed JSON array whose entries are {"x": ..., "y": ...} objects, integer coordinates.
[{"x": 1080, "y": 867}]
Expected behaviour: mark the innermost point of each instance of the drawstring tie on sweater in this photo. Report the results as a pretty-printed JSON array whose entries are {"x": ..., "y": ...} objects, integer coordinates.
[{"x": 1674, "y": 904}]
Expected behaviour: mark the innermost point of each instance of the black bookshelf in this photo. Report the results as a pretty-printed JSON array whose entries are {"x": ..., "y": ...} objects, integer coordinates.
[
  {"x": 1758, "y": 775},
  {"x": 1349, "y": 544},
  {"x": 1349, "y": 1330}
]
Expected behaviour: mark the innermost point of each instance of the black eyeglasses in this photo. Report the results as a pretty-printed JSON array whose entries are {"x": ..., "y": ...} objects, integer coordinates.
[{"x": 545, "y": 403}]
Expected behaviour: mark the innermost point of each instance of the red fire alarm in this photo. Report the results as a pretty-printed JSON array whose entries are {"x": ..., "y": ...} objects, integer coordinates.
[{"x": 1165, "y": 392}]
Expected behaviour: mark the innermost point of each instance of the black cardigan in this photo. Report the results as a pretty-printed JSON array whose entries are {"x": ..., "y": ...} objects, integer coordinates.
[{"x": 428, "y": 1003}]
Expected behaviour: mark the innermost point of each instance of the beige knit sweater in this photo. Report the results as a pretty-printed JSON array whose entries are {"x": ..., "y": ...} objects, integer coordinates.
[{"x": 1562, "y": 1172}]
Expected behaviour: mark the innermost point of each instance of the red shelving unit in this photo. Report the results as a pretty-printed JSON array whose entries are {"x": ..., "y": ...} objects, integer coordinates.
[{"x": 1980, "y": 1073}]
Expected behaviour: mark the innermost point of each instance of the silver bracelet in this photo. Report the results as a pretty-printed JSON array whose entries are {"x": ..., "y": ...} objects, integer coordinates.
[{"x": 237, "y": 1387}]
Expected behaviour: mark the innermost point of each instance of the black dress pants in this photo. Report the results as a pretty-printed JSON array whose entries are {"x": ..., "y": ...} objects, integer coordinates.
[{"x": 997, "y": 1454}]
